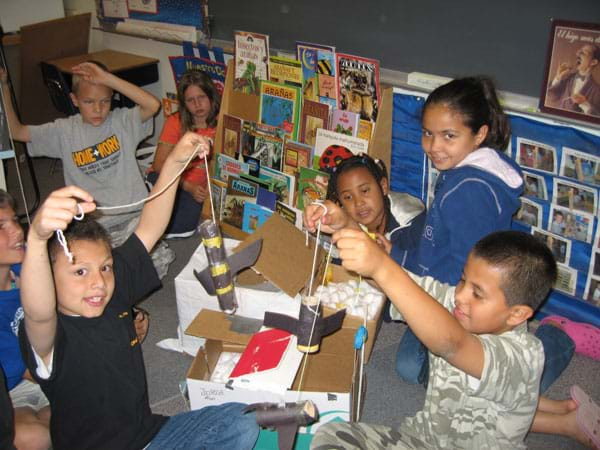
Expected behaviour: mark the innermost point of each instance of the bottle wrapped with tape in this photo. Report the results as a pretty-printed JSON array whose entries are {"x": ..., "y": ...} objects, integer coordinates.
[{"x": 218, "y": 265}]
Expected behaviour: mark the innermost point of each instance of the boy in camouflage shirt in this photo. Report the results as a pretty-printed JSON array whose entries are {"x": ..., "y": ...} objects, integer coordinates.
[{"x": 485, "y": 367}]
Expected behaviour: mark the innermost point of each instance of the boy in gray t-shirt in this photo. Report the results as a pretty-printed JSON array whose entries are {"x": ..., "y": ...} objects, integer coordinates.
[
  {"x": 485, "y": 367},
  {"x": 97, "y": 147}
]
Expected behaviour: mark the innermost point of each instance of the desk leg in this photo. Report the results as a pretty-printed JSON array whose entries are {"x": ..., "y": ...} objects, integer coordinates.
[{"x": 2, "y": 177}]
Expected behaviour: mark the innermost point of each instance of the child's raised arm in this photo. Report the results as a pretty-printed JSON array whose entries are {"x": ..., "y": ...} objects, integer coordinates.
[
  {"x": 18, "y": 131},
  {"x": 37, "y": 284},
  {"x": 147, "y": 102},
  {"x": 433, "y": 324},
  {"x": 157, "y": 212},
  {"x": 332, "y": 217}
]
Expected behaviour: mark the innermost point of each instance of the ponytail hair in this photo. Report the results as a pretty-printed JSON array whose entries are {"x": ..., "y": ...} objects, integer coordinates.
[{"x": 475, "y": 99}]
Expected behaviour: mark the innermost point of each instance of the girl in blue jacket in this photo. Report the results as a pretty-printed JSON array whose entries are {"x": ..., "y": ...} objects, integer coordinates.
[{"x": 477, "y": 192}]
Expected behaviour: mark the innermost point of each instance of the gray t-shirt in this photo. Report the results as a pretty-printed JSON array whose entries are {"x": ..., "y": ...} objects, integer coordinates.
[
  {"x": 100, "y": 159},
  {"x": 494, "y": 412}
]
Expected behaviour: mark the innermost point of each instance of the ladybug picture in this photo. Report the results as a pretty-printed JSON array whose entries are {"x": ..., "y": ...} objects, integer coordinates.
[{"x": 332, "y": 156}]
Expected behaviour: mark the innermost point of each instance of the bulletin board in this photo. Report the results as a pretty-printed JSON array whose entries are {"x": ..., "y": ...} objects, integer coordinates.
[
  {"x": 192, "y": 13},
  {"x": 561, "y": 167}
]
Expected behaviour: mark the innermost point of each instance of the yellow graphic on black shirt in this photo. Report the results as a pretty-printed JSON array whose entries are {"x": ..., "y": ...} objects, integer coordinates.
[{"x": 98, "y": 157}]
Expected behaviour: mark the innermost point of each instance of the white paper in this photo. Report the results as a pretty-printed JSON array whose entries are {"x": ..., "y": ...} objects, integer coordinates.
[{"x": 115, "y": 8}]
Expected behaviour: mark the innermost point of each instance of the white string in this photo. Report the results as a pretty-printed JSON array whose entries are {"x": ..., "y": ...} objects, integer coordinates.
[
  {"x": 156, "y": 194},
  {"x": 312, "y": 273},
  {"x": 316, "y": 310},
  {"x": 362, "y": 351},
  {"x": 61, "y": 237},
  {"x": 212, "y": 206},
  {"x": 12, "y": 143}
]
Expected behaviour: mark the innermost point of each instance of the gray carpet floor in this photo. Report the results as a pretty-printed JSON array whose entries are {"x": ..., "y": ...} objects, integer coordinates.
[{"x": 388, "y": 399}]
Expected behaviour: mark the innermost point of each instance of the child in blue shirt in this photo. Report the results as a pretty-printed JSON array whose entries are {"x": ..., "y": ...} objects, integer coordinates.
[
  {"x": 31, "y": 410},
  {"x": 477, "y": 192}
]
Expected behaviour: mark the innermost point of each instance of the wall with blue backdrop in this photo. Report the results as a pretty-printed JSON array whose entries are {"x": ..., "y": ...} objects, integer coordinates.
[{"x": 409, "y": 173}]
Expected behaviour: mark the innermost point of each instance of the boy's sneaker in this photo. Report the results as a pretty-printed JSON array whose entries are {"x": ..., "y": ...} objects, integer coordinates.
[{"x": 179, "y": 235}]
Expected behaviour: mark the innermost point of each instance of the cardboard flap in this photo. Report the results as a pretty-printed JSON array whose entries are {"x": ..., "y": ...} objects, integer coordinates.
[
  {"x": 216, "y": 325},
  {"x": 284, "y": 259}
]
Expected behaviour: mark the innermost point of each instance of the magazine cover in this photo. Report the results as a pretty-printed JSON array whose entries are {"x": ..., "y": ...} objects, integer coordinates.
[
  {"x": 308, "y": 54},
  {"x": 232, "y": 135},
  {"x": 314, "y": 115},
  {"x": 263, "y": 142},
  {"x": 251, "y": 61},
  {"x": 289, "y": 213},
  {"x": 312, "y": 186},
  {"x": 326, "y": 77},
  {"x": 345, "y": 122},
  {"x": 365, "y": 129},
  {"x": 238, "y": 193},
  {"x": 326, "y": 138},
  {"x": 226, "y": 165},
  {"x": 285, "y": 70},
  {"x": 358, "y": 85},
  {"x": 296, "y": 155},
  {"x": 280, "y": 107},
  {"x": 284, "y": 185},
  {"x": 218, "y": 190},
  {"x": 215, "y": 70},
  {"x": 254, "y": 217}
]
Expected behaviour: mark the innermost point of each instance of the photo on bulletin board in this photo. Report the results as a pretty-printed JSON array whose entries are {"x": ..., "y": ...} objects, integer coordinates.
[
  {"x": 580, "y": 166},
  {"x": 572, "y": 77},
  {"x": 571, "y": 224},
  {"x": 529, "y": 213},
  {"x": 535, "y": 186},
  {"x": 575, "y": 196},
  {"x": 536, "y": 155},
  {"x": 560, "y": 247}
]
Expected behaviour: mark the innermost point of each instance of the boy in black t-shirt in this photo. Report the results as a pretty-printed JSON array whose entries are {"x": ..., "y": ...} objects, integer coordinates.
[{"x": 78, "y": 336}]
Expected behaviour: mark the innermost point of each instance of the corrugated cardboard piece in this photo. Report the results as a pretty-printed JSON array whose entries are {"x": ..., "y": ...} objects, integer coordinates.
[
  {"x": 215, "y": 326},
  {"x": 284, "y": 260}
]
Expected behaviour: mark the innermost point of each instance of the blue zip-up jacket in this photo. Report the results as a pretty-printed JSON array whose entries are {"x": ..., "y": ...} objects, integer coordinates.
[{"x": 471, "y": 200}]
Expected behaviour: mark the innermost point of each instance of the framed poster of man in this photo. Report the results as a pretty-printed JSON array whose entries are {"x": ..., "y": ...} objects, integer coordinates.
[{"x": 572, "y": 78}]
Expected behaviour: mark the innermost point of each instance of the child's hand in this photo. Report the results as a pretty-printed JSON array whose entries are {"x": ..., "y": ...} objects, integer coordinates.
[
  {"x": 335, "y": 219},
  {"x": 384, "y": 243},
  {"x": 198, "y": 192},
  {"x": 141, "y": 322},
  {"x": 57, "y": 212},
  {"x": 190, "y": 144},
  {"x": 91, "y": 72},
  {"x": 359, "y": 253}
]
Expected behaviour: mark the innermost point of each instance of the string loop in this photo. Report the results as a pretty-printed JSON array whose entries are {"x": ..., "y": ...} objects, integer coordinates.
[{"x": 61, "y": 237}]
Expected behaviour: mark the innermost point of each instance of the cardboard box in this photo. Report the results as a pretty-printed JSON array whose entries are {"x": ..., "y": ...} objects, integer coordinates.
[
  {"x": 192, "y": 298},
  {"x": 286, "y": 261},
  {"x": 329, "y": 389}
]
